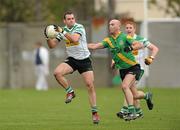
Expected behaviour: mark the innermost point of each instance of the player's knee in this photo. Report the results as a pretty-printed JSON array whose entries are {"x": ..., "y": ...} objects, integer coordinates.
[
  {"x": 57, "y": 73},
  {"x": 124, "y": 86},
  {"x": 89, "y": 85},
  {"x": 135, "y": 96}
]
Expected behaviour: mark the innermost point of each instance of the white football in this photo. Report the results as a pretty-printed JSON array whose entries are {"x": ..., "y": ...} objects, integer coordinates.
[{"x": 50, "y": 31}]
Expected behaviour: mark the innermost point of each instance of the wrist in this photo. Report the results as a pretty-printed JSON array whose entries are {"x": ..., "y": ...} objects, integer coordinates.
[
  {"x": 47, "y": 38},
  {"x": 64, "y": 32}
]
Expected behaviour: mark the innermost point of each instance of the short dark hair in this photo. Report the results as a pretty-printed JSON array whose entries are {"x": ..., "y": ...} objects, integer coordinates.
[{"x": 67, "y": 13}]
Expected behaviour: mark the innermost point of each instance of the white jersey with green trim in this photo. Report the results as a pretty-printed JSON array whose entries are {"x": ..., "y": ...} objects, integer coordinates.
[
  {"x": 78, "y": 50},
  {"x": 142, "y": 52}
]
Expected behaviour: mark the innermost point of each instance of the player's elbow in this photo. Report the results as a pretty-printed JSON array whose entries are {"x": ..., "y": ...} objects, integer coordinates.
[
  {"x": 51, "y": 45},
  {"x": 155, "y": 49}
]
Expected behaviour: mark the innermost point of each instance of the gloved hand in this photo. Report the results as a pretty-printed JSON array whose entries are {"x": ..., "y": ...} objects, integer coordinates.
[
  {"x": 149, "y": 60},
  {"x": 45, "y": 33},
  {"x": 128, "y": 49},
  {"x": 58, "y": 29},
  {"x": 60, "y": 37}
]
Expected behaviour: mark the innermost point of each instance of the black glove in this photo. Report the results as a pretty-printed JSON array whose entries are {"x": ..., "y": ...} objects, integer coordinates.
[
  {"x": 45, "y": 32},
  {"x": 128, "y": 49}
]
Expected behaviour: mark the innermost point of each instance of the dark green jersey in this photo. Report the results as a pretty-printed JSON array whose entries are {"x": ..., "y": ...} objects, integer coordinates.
[{"x": 116, "y": 45}]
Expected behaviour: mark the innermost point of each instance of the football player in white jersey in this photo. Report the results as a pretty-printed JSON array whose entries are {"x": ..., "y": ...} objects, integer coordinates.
[{"x": 74, "y": 35}]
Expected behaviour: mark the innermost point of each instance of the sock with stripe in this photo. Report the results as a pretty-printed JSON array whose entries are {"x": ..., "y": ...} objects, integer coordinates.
[
  {"x": 69, "y": 89},
  {"x": 146, "y": 96},
  {"x": 124, "y": 109},
  {"x": 131, "y": 109},
  {"x": 94, "y": 109}
]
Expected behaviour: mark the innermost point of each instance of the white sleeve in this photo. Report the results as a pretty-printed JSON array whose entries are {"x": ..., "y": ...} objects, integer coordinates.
[{"x": 44, "y": 54}]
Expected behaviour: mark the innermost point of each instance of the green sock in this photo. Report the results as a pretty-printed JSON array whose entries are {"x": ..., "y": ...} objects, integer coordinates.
[
  {"x": 69, "y": 89},
  {"x": 131, "y": 109},
  {"x": 146, "y": 96},
  {"x": 94, "y": 109},
  {"x": 124, "y": 109},
  {"x": 138, "y": 110}
]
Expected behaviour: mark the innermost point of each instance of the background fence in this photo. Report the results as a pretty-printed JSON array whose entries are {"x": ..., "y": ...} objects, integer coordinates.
[{"x": 17, "y": 45}]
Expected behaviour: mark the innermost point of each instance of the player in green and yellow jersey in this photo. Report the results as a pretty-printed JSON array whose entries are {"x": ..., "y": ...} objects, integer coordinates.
[
  {"x": 130, "y": 28},
  {"x": 121, "y": 47}
]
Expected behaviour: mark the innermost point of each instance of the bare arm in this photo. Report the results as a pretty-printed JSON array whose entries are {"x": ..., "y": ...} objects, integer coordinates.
[
  {"x": 137, "y": 45},
  {"x": 94, "y": 46},
  {"x": 154, "y": 49},
  {"x": 52, "y": 43},
  {"x": 72, "y": 37}
]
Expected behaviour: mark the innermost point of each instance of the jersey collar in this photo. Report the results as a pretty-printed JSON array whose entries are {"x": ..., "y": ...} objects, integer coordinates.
[
  {"x": 134, "y": 37},
  {"x": 116, "y": 35},
  {"x": 70, "y": 29}
]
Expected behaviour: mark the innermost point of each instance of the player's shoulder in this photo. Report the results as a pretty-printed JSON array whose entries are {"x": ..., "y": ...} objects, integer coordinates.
[
  {"x": 128, "y": 37},
  {"x": 106, "y": 39},
  {"x": 141, "y": 38},
  {"x": 124, "y": 35},
  {"x": 78, "y": 25},
  {"x": 138, "y": 37}
]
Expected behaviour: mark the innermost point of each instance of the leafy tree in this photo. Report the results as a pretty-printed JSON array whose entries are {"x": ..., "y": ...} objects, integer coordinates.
[
  {"x": 172, "y": 7},
  {"x": 43, "y": 10}
]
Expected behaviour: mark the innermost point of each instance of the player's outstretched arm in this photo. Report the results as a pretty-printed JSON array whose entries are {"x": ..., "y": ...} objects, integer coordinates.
[
  {"x": 134, "y": 46},
  {"x": 94, "y": 46}
]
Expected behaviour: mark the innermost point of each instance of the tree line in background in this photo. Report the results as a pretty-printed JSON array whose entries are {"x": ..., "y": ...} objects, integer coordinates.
[
  {"x": 172, "y": 7},
  {"x": 43, "y": 10},
  {"x": 52, "y": 10}
]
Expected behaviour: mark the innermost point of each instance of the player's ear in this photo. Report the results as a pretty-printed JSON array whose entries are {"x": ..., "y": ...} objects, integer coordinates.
[{"x": 64, "y": 21}]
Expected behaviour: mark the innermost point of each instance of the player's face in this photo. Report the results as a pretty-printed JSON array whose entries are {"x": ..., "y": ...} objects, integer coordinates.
[
  {"x": 69, "y": 20},
  {"x": 130, "y": 29},
  {"x": 113, "y": 27}
]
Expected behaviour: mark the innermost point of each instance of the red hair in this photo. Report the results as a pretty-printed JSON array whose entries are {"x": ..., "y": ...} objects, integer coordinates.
[{"x": 126, "y": 21}]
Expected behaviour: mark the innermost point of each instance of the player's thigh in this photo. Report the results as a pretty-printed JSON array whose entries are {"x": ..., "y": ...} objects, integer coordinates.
[
  {"x": 63, "y": 69},
  {"x": 88, "y": 77},
  {"x": 128, "y": 80}
]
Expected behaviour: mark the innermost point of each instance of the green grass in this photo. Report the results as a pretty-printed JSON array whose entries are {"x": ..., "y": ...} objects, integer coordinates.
[{"x": 32, "y": 110}]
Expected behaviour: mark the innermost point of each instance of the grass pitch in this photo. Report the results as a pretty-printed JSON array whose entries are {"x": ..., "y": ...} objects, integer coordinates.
[{"x": 33, "y": 110}]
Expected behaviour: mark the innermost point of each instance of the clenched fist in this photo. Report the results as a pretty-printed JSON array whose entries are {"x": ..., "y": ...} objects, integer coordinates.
[{"x": 149, "y": 60}]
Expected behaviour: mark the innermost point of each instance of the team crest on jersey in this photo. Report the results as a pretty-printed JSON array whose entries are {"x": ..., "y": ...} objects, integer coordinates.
[{"x": 121, "y": 42}]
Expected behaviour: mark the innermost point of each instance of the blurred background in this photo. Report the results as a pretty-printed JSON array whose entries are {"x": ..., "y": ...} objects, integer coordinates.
[{"x": 22, "y": 24}]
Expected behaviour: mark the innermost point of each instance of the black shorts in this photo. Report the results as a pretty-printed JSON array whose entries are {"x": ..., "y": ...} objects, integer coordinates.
[
  {"x": 80, "y": 65},
  {"x": 134, "y": 70}
]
